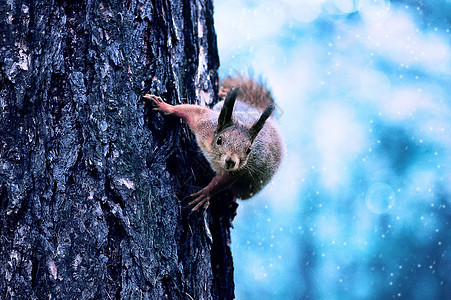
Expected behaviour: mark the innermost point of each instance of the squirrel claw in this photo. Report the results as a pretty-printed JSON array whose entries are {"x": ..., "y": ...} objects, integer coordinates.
[
  {"x": 159, "y": 102},
  {"x": 196, "y": 194},
  {"x": 202, "y": 200}
]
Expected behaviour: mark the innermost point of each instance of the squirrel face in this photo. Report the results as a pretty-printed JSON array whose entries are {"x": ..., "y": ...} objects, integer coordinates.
[
  {"x": 232, "y": 141},
  {"x": 231, "y": 147}
]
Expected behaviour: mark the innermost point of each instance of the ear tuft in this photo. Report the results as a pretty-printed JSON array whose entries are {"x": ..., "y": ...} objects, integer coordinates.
[
  {"x": 255, "y": 129},
  {"x": 225, "y": 116}
]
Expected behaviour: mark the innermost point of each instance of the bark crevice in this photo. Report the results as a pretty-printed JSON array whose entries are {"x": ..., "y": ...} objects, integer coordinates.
[{"x": 92, "y": 185}]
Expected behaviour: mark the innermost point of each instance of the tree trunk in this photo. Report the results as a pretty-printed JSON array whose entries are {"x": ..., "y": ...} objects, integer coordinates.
[{"x": 92, "y": 184}]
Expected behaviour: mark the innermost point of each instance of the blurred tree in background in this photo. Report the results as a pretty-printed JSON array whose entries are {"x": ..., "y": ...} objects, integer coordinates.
[{"x": 361, "y": 208}]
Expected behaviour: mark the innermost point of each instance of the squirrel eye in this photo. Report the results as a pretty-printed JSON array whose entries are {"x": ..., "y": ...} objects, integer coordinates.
[
  {"x": 219, "y": 141},
  {"x": 248, "y": 150}
]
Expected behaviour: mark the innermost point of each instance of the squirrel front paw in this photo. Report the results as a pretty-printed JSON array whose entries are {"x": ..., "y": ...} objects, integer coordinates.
[
  {"x": 159, "y": 102},
  {"x": 202, "y": 200}
]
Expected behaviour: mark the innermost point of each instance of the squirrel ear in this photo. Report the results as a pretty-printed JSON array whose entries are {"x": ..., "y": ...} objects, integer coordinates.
[
  {"x": 255, "y": 129},
  {"x": 225, "y": 116}
]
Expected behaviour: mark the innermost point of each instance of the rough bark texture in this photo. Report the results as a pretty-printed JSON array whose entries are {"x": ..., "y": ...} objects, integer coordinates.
[{"x": 90, "y": 180}]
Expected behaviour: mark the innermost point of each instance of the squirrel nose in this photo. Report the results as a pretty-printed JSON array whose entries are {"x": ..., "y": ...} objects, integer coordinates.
[{"x": 230, "y": 164}]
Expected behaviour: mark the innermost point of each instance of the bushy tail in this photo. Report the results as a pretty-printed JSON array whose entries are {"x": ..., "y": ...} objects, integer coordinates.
[{"x": 252, "y": 92}]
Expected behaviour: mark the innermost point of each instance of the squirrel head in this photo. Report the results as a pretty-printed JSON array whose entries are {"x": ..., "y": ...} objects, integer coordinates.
[{"x": 232, "y": 142}]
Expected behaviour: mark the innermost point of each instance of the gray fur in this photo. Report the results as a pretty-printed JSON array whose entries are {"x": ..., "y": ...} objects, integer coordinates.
[{"x": 266, "y": 150}]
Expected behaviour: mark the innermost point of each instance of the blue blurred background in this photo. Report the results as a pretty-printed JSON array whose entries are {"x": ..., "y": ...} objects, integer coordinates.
[{"x": 361, "y": 207}]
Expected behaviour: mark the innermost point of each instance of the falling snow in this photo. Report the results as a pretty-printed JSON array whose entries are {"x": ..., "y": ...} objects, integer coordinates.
[{"x": 361, "y": 208}]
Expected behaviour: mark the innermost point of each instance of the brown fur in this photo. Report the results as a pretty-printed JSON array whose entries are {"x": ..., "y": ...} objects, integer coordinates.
[
  {"x": 251, "y": 92},
  {"x": 238, "y": 137}
]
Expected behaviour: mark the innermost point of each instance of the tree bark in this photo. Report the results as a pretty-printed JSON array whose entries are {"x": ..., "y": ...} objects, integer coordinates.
[{"x": 92, "y": 184}]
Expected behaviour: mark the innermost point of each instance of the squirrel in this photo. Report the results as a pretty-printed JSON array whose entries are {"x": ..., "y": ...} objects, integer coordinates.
[{"x": 238, "y": 137}]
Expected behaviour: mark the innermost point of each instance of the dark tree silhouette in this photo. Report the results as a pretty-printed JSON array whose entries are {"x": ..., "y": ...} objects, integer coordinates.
[{"x": 91, "y": 181}]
